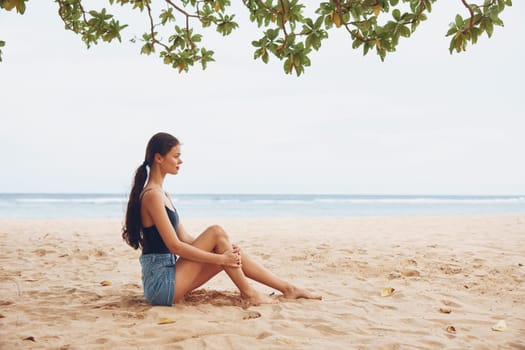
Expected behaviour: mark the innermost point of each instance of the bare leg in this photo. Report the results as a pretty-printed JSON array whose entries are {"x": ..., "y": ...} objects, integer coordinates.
[
  {"x": 252, "y": 269},
  {"x": 191, "y": 274}
]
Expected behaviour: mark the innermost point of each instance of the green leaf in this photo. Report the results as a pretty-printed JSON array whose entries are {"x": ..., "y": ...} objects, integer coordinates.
[
  {"x": 489, "y": 27},
  {"x": 474, "y": 35},
  {"x": 265, "y": 57},
  {"x": 495, "y": 19},
  {"x": 459, "y": 42},
  {"x": 452, "y": 45},
  {"x": 366, "y": 47},
  {"x": 452, "y": 30},
  {"x": 167, "y": 16},
  {"x": 396, "y": 14},
  {"x": 196, "y": 38},
  {"x": 318, "y": 23},
  {"x": 147, "y": 49},
  {"x": 272, "y": 34},
  {"x": 309, "y": 23},
  {"x": 21, "y": 7},
  {"x": 207, "y": 56},
  {"x": 404, "y": 31},
  {"x": 459, "y": 21},
  {"x": 382, "y": 54}
]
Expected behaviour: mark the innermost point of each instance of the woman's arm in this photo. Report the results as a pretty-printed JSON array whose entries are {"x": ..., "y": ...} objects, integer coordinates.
[
  {"x": 181, "y": 231},
  {"x": 184, "y": 235},
  {"x": 153, "y": 204}
]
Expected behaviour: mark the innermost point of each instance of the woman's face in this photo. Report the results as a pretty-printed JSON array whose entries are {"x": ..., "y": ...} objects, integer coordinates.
[{"x": 171, "y": 161}]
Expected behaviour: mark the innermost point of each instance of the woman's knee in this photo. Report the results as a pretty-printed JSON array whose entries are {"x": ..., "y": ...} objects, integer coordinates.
[{"x": 218, "y": 232}]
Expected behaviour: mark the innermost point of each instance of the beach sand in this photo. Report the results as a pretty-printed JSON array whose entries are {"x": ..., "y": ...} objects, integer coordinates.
[{"x": 52, "y": 295}]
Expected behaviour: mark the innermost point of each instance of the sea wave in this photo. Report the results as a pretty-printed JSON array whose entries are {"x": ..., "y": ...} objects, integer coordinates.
[
  {"x": 423, "y": 200},
  {"x": 259, "y": 205},
  {"x": 274, "y": 199},
  {"x": 71, "y": 200}
]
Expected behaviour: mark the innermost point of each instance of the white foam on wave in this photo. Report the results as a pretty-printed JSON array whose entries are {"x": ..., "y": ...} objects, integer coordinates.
[
  {"x": 423, "y": 200},
  {"x": 108, "y": 200},
  {"x": 259, "y": 205}
]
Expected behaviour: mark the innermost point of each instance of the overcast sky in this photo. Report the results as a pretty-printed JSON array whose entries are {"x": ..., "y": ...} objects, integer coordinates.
[{"x": 422, "y": 122}]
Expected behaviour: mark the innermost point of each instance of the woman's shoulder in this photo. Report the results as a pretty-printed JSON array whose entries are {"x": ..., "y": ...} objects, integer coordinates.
[{"x": 151, "y": 196}]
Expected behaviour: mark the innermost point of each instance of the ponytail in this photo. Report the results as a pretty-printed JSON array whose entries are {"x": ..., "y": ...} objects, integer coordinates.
[
  {"x": 160, "y": 143},
  {"x": 132, "y": 230}
]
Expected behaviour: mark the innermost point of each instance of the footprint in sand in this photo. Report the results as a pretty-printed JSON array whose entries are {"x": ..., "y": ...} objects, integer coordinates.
[
  {"x": 251, "y": 315},
  {"x": 410, "y": 273},
  {"x": 327, "y": 330},
  {"x": 297, "y": 258},
  {"x": 385, "y": 307},
  {"x": 450, "y": 269},
  {"x": 394, "y": 275},
  {"x": 264, "y": 335},
  {"x": 42, "y": 252},
  {"x": 101, "y": 341},
  {"x": 450, "y": 303},
  {"x": 324, "y": 246},
  {"x": 99, "y": 253}
]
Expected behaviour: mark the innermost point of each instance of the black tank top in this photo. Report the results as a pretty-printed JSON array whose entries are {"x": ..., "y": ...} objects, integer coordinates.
[{"x": 152, "y": 242}]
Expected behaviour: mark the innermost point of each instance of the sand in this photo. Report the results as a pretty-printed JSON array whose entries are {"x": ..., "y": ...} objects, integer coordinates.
[{"x": 52, "y": 295}]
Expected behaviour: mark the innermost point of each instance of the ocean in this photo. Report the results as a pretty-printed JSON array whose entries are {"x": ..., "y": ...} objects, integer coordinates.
[{"x": 88, "y": 205}]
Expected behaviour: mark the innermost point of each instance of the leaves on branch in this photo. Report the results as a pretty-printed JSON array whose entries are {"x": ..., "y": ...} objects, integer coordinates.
[
  {"x": 19, "y": 5},
  {"x": 481, "y": 19},
  {"x": 2, "y": 44},
  {"x": 287, "y": 33}
]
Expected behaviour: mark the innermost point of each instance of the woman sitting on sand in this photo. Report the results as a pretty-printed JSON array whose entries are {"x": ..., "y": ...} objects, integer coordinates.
[{"x": 152, "y": 224}]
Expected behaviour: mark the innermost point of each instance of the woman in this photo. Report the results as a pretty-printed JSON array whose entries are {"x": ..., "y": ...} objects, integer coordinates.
[{"x": 153, "y": 225}]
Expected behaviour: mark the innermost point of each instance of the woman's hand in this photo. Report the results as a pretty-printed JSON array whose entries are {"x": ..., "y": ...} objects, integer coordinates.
[{"x": 231, "y": 258}]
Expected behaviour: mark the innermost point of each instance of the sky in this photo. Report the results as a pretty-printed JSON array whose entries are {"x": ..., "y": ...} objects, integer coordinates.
[{"x": 422, "y": 122}]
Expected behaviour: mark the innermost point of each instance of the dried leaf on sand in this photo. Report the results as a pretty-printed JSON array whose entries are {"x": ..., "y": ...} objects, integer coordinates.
[
  {"x": 500, "y": 326},
  {"x": 166, "y": 320},
  {"x": 451, "y": 329},
  {"x": 387, "y": 291}
]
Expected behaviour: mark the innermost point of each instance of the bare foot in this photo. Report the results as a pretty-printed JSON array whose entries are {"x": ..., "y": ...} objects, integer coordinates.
[
  {"x": 298, "y": 293},
  {"x": 258, "y": 299}
]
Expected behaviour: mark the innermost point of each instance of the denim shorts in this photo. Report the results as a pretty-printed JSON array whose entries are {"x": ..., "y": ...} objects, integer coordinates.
[{"x": 158, "y": 278}]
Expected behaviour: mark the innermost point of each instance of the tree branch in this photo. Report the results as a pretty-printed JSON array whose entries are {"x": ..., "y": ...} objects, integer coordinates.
[
  {"x": 471, "y": 22},
  {"x": 152, "y": 29},
  {"x": 188, "y": 15},
  {"x": 283, "y": 20}
]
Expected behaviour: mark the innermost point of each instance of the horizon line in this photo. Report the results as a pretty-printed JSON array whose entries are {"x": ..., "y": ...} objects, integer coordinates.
[{"x": 273, "y": 194}]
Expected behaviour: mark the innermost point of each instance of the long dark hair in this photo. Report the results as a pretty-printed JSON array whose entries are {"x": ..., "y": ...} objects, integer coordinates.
[{"x": 160, "y": 143}]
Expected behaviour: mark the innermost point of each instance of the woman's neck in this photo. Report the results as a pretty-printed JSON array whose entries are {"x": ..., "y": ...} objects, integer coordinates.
[{"x": 156, "y": 179}]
